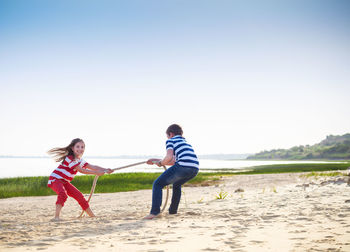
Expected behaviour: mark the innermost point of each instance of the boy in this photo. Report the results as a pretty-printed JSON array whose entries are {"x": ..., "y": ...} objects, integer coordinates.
[{"x": 184, "y": 166}]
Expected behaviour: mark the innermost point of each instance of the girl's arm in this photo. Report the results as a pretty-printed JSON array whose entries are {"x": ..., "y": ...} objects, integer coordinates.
[
  {"x": 98, "y": 168},
  {"x": 167, "y": 160},
  {"x": 88, "y": 171}
]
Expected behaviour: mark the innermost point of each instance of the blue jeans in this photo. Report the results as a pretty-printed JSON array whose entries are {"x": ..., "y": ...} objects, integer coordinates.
[{"x": 176, "y": 175}]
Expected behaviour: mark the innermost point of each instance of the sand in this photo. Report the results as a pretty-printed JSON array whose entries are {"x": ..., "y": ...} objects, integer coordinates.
[{"x": 276, "y": 212}]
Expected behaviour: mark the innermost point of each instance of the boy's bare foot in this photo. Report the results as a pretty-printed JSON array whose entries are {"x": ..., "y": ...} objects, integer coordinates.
[{"x": 150, "y": 217}]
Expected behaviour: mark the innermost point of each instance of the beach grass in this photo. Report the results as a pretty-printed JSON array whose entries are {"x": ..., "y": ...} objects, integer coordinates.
[
  {"x": 121, "y": 182},
  {"x": 299, "y": 167},
  {"x": 322, "y": 174}
]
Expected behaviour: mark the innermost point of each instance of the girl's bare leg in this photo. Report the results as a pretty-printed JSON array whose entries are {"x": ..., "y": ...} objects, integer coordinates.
[{"x": 57, "y": 213}]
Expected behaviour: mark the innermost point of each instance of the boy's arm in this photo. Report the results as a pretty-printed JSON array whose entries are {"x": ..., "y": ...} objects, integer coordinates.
[{"x": 169, "y": 158}]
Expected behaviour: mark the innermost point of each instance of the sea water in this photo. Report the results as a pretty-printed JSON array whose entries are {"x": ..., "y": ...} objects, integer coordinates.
[{"x": 34, "y": 166}]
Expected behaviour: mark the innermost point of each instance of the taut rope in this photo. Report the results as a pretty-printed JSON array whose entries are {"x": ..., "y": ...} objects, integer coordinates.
[{"x": 119, "y": 168}]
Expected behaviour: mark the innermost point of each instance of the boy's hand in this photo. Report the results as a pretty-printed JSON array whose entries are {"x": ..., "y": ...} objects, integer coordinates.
[{"x": 153, "y": 161}]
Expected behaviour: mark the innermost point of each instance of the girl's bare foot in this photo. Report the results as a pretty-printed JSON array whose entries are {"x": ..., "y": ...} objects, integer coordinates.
[
  {"x": 150, "y": 217},
  {"x": 56, "y": 219},
  {"x": 89, "y": 212}
]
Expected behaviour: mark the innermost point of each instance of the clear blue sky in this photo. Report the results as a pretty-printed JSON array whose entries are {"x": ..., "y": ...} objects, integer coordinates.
[{"x": 239, "y": 76}]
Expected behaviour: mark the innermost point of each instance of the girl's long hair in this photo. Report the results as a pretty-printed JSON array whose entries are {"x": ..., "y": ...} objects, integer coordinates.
[{"x": 59, "y": 154}]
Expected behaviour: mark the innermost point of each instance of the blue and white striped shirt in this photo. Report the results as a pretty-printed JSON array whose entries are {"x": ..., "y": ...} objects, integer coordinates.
[{"x": 184, "y": 153}]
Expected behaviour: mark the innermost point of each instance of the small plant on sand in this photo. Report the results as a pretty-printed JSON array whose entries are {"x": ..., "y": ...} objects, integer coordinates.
[
  {"x": 263, "y": 190},
  {"x": 273, "y": 189},
  {"x": 200, "y": 201},
  {"x": 222, "y": 195},
  {"x": 183, "y": 192}
]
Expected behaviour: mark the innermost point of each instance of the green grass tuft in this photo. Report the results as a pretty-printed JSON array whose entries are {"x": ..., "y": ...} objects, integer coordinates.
[
  {"x": 222, "y": 195},
  {"x": 322, "y": 174}
]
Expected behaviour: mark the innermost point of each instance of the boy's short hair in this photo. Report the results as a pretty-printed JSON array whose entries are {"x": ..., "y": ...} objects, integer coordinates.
[{"x": 175, "y": 129}]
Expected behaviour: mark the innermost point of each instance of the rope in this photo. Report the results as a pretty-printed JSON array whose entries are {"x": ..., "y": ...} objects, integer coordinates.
[
  {"x": 91, "y": 193},
  {"x": 123, "y": 167},
  {"x": 119, "y": 168},
  {"x": 167, "y": 194}
]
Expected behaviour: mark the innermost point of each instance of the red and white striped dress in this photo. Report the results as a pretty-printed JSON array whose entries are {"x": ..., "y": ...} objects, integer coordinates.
[{"x": 66, "y": 169}]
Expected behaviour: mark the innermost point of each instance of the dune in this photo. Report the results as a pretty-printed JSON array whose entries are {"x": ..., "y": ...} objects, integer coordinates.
[{"x": 270, "y": 212}]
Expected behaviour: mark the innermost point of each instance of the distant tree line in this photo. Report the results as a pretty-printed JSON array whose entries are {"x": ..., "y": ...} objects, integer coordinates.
[{"x": 333, "y": 147}]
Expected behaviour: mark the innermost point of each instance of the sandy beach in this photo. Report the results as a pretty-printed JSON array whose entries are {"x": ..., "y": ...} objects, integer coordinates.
[{"x": 271, "y": 212}]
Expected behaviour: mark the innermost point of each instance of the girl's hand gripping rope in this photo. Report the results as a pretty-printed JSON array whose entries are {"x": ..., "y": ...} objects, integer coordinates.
[{"x": 109, "y": 171}]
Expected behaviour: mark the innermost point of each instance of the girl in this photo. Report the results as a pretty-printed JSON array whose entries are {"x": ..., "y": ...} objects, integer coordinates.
[
  {"x": 60, "y": 178},
  {"x": 184, "y": 166}
]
